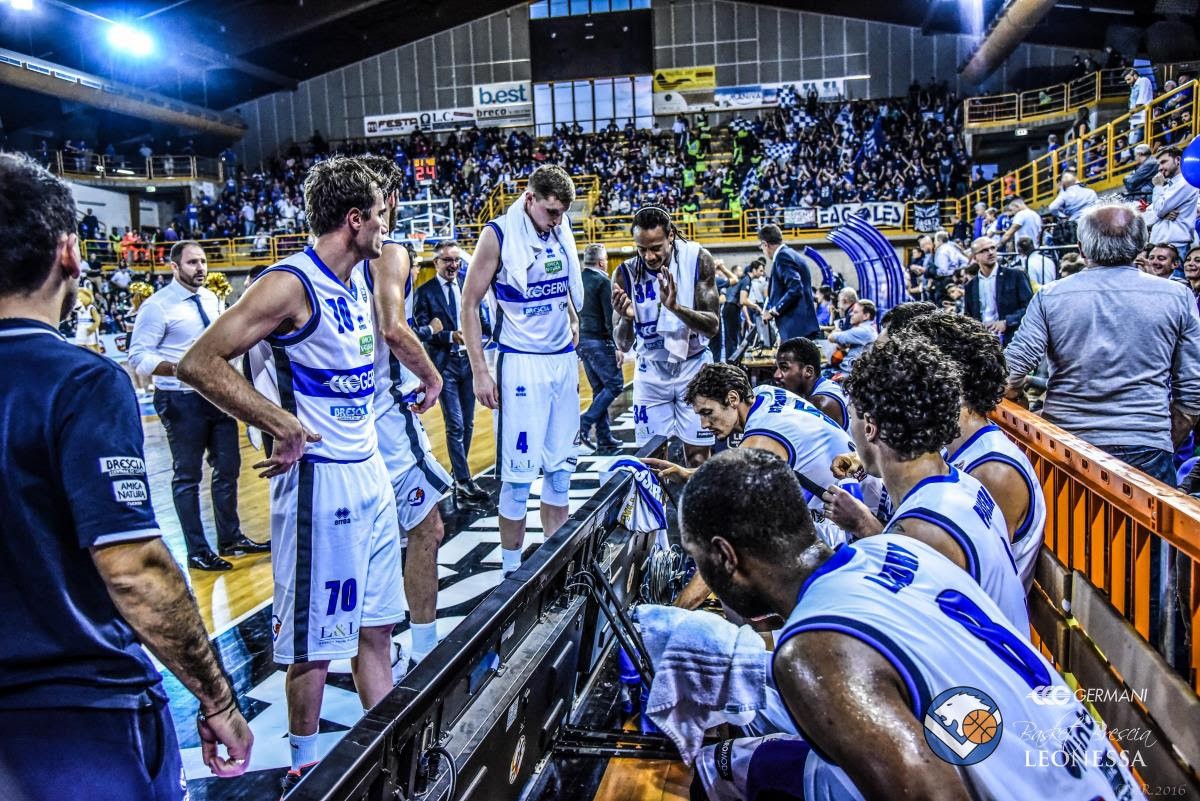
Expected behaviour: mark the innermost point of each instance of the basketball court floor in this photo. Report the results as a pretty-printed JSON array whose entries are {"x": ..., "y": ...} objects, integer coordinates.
[{"x": 236, "y": 604}]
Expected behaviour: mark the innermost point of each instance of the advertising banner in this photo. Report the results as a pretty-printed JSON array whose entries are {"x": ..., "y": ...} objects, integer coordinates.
[
  {"x": 504, "y": 105},
  {"x": 736, "y": 97},
  {"x": 880, "y": 215},
  {"x": 406, "y": 122},
  {"x": 680, "y": 89}
]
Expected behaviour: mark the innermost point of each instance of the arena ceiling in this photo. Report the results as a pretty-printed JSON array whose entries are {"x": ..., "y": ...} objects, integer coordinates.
[{"x": 218, "y": 53}]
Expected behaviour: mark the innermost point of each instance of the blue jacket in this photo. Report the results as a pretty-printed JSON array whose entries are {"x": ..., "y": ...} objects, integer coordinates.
[{"x": 790, "y": 295}]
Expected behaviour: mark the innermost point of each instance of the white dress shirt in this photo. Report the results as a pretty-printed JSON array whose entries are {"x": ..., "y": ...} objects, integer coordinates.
[
  {"x": 987, "y": 297},
  {"x": 1174, "y": 195},
  {"x": 453, "y": 287},
  {"x": 1072, "y": 202},
  {"x": 168, "y": 322},
  {"x": 947, "y": 260}
]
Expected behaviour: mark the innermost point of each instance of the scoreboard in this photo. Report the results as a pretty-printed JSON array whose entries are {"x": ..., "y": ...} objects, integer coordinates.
[{"x": 425, "y": 170}]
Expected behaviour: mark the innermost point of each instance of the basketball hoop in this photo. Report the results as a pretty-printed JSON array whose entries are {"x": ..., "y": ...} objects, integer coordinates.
[{"x": 418, "y": 240}]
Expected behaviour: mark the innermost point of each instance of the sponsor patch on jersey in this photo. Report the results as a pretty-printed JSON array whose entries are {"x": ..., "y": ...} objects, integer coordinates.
[
  {"x": 521, "y": 391},
  {"x": 348, "y": 414},
  {"x": 131, "y": 490},
  {"x": 538, "y": 311},
  {"x": 416, "y": 497},
  {"x": 963, "y": 725},
  {"x": 341, "y": 517},
  {"x": 366, "y": 344},
  {"x": 554, "y": 267},
  {"x": 122, "y": 466}
]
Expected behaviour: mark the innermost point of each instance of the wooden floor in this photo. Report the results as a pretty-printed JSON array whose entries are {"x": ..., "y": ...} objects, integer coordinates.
[
  {"x": 226, "y": 597},
  {"x": 644, "y": 780}
]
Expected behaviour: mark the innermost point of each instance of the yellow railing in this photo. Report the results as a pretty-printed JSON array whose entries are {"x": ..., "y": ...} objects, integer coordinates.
[
  {"x": 587, "y": 188},
  {"x": 1102, "y": 155},
  {"x": 243, "y": 251},
  {"x": 116, "y": 168},
  {"x": 1046, "y": 101}
]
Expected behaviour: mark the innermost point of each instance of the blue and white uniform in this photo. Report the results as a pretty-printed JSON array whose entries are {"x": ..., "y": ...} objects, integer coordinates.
[
  {"x": 812, "y": 442},
  {"x": 989, "y": 444},
  {"x": 537, "y": 371},
  {"x": 964, "y": 509},
  {"x": 960, "y": 659},
  {"x": 418, "y": 479},
  {"x": 659, "y": 383},
  {"x": 336, "y": 542},
  {"x": 828, "y": 388}
]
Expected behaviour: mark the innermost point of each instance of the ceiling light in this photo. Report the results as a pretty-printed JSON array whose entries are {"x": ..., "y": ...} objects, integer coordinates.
[
  {"x": 130, "y": 40},
  {"x": 23, "y": 5}
]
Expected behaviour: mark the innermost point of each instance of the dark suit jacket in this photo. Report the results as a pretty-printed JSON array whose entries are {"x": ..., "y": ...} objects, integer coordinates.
[
  {"x": 1013, "y": 293},
  {"x": 431, "y": 304},
  {"x": 790, "y": 295}
]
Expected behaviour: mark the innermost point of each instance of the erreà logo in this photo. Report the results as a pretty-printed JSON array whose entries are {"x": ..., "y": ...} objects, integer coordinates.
[{"x": 341, "y": 517}]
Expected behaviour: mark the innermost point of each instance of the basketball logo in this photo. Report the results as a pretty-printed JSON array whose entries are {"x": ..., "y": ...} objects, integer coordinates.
[{"x": 963, "y": 726}]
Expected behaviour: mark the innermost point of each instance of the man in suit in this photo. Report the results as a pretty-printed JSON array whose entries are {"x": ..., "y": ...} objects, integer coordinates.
[
  {"x": 439, "y": 326},
  {"x": 790, "y": 296},
  {"x": 997, "y": 296}
]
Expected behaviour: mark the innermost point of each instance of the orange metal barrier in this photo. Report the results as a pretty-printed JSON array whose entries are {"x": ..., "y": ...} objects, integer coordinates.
[
  {"x": 118, "y": 168},
  {"x": 1102, "y": 516},
  {"x": 1101, "y": 156},
  {"x": 1046, "y": 101}
]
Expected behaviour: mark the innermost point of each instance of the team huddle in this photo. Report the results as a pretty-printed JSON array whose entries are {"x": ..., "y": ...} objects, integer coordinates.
[{"x": 890, "y": 525}]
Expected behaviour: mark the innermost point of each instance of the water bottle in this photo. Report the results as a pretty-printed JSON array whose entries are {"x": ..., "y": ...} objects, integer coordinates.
[
  {"x": 645, "y": 724},
  {"x": 852, "y": 486},
  {"x": 630, "y": 681}
]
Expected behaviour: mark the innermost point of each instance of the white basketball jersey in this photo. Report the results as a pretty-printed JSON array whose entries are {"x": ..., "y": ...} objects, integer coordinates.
[
  {"x": 647, "y": 306},
  {"x": 393, "y": 381},
  {"x": 961, "y": 662},
  {"x": 832, "y": 389},
  {"x": 964, "y": 509},
  {"x": 536, "y": 321},
  {"x": 990, "y": 444},
  {"x": 811, "y": 439},
  {"x": 324, "y": 373}
]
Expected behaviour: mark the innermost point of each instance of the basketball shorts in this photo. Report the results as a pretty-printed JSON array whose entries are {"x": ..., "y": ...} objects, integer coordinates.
[
  {"x": 335, "y": 557},
  {"x": 538, "y": 418},
  {"x": 417, "y": 478},
  {"x": 779, "y": 766},
  {"x": 658, "y": 404}
]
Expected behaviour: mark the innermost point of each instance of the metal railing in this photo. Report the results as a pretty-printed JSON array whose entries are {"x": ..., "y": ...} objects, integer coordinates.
[
  {"x": 151, "y": 257},
  {"x": 1046, "y": 101},
  {"x": 1103, "y": 154},
  {"x": 119, "y": 168}
]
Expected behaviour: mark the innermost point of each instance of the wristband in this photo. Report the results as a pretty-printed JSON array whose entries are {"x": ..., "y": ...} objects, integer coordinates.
[{"x": 203, "y": 718}]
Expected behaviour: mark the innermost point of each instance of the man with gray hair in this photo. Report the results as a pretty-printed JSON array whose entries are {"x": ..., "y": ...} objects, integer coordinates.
[
  {"x": 1139, "y": 184},
  {"x": 947, "y": 260},
  {"x": 601, "y": 361},
  {"x": 1123, "y": 351}
]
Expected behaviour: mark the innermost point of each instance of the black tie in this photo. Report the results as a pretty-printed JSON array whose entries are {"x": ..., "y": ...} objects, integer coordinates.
[
  {"x": 453, "y": 306},
  {"x": 200, "y": 308}
]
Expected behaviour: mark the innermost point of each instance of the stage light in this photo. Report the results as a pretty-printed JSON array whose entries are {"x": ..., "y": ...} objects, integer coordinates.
[
  {"x": 23, "y": 5},
  {"x": 130, "y": 40}
]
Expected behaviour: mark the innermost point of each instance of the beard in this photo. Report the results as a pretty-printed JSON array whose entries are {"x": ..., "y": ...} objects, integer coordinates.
[{"x": 746, "y": 603}]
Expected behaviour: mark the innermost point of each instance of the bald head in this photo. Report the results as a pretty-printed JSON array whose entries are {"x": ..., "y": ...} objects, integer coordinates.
[
  {"x": 1111, "y": 234},
  {"x": 984, "y": 250},
  {"x": 1069, "y": 179}
]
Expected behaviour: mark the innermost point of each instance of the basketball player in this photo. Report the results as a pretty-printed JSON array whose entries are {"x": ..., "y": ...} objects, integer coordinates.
[
  {"x": 899, "y": 671},
  {"x": 981, "y": 448},
  {"x": 528, "y": 257},
  {"x": 798, "y": 370},
  {"x": 904, "y": 404},
  {"x": 679, "y": 276},
  {"x": 85, "y": 578},
  {"x": 774, "y": 420},
  {"x": 336, "y": 565}
]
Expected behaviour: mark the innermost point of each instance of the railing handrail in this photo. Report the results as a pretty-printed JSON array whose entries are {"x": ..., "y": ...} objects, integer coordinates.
[
  {"x": 1072, "y": 100},
  {"x": 121, "y": 168}
]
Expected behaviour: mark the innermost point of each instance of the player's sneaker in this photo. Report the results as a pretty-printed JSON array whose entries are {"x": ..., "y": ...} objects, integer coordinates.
[{"x": 292, "y": 778}]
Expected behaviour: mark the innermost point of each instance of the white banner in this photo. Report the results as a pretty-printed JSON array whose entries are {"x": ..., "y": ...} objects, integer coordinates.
[
  {"x": 734, "y": 97},
  {"x": 504, "y": 105},
  {"x": 406, "y": 122},
  {"x": 827, "y": 89},
  {"x": 880, "y": 215}
]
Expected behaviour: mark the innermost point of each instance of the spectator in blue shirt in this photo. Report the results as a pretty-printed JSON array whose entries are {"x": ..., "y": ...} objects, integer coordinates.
[{"x": 85, "y": 579}]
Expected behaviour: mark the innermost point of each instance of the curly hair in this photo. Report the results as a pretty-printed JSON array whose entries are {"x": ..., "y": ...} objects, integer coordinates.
[
  {"x": 974, "y": 349},
  {"x": 911, "y": 391},
  {"x": 897, "y": 317},
  {"x": 716, "y": 381},
  {"x": 336, "y": 185}
]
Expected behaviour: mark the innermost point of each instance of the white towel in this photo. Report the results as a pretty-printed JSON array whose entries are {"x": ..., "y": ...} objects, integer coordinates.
[
  {"x": 674, "y": 331},
  {"x": 707, "y": 671},
  {"x": 522, "y": 245},
  {"x": 644, "y": 507}
]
